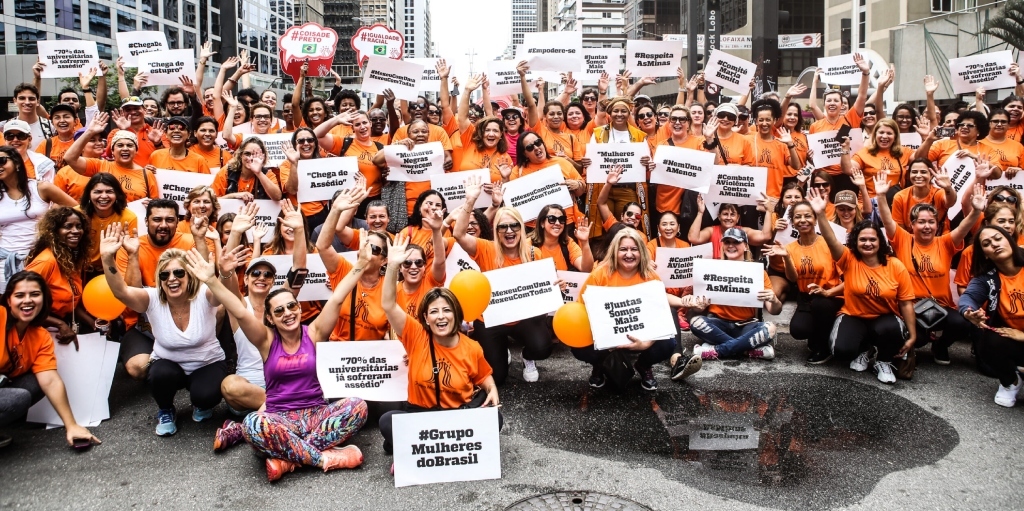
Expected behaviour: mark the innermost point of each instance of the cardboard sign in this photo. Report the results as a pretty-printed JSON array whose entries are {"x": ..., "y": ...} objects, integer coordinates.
[
  {"x": 856, "y": 140},
  {"x": 416, "y": 166},
  {"x": 682, "y": 168},
  {"x": 139, "y": 209},
  {"x": 730, "y": 72},
  {"x": 728, "y": 282},
  {"x": 319, "y": 178},
  {"x": 532, "y": 192},
  {"x": 575, "y": 280},
  {"x": 377, "y": 40},
  {"x": 457, "y": 260},
  {"x": 168, "y": 67},
  {"x": 452, "y": 187},
  {"x": 988, "y": 70},
  {"x": 446, "y": 446},
  {"x": 600, "y": 60},
  {"x": 961, "y": 172},
  {"x": 640, "y": 310},
  {"x": 430, "y": 81},
  {"x": 603, "y": 157},
  {"x": 522, "y": 291},
  {"x": 88, "y": 373},
  {"x": 176, "y": 185},
  {"x": 403, "y": 78},
  {"x": 827, "y": 151},
  {"x": 504, "y": 78},
  {"x": 839, "y": 70},
  {"x": 267, "y": 214},
  {"x": 735, "y": 184},
  {"x": 675, "y": 265},
  {"x": 317, "y": 285},
  {"x": 370, "y": 370},
  {"x": 308, "y": 43},
  {"x": 65, "y": 59},
  {"x": 653, "y": 58},
  {"x": 560, "y": 52},
  {"x": 132, "y": 44},
  {"x": 275, "y": 148}
]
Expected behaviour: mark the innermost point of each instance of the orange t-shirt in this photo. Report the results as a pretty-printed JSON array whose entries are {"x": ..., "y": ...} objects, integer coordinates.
[
  {"x": 57, "y": 150},
  {"x": 873, "y": 292},
  {"x": 486, "y": 251},
  {"x": 931, "y": 277},
  {"x": 136, "y": 183},
  {"x": 555, "y": 253},
  {"x": 468, "y": 157},
  {"x": 98, "y": 224},
  {"x": 561, "y": 142},
  {"x": 462, "y": 368},
  {"x": 35, "y": 351},
  {"x": 410, "y": 302},
  {"x": 963, "y": 270},
  {"x": 1014, "y": 132},
  {"x": 364, "y": 157},
  {"x": 370, "y": 320},
  {"x": 70, "y": 182},
  {"x": 605, "y": 277},
  {"x": 66, "y": 293},
  {"x": 215, "y": 159},
  {"x": 774, "y": 156},
  {"x": 413, "y": 190},
  {"x": 568, "y": 172},
  {"x": 611, "y": 221},
  {"x": 220, "y": 182},
  {"x": 904, "y": 201},
  {"x": 670, "y": 198},
  {"x": 1011, "y": 288},
  {"x": 733, "y": 313},
  {"x": 283, "y": 173},
  {"x": 192, "y": 162},
  {"x": 1006, "y": 154},
  {"x": 420, "y": 236},
  {"x": 149, "y": 254},
  {"x": 941, "y": 150},
  {"x": 883, "y": 161},
  {"x": 814, "y": 265},
  {"x": 801, "y": 146},
  {"x": 738, "y": 150}
]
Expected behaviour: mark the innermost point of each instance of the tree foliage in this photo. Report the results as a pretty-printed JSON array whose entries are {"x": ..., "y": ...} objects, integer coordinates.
[
  {"x": 1008, "y": 24},
  {"x": 113, "y": 96}
]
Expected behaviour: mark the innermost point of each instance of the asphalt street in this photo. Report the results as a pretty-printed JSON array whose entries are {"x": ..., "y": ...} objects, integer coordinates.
[{"x": 821, "y": 437}]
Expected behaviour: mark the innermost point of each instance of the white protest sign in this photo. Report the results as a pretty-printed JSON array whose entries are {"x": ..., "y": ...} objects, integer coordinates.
[
  {"x": 168, "y": 67},
  {"x": 446, "y": 446},
  {"x": 682, "y": 168},
  {"x": 275, "y": 148},
  {"x": 839, "y": 70},
  {"x": 988, "y": 70},
  {"x": 533, "y": 191},
  {"x": 960, "y": 171},
  {"x": 65, "y": 59},
  {"x": 370, "y": 370},
  {"x": 827, "y": 150},
  {"x": 600, "y": 60},
  {"x": 728, "y": 282},
  {"x": 911, "y": 140},
  {"x": 723, "y": 434},
  {"x": 138, "y": 207},
  {"x": 790, "y": 234},
  {"x": 317, "y": 285},
  {"x": 87, "y": 374},
  {"x": 452, "y": 187},
  {"x": 416, "y": 166},
  {"x": 1017, "y": 183},
  {"x": 735, "y": 184},
  {"x": 267, "y": 214},
  {"x": 603, "y": 157},
  {"x": 653, "y": 58},
  {"x": 553, "y": 51},
  {"x": 403, "y": 78},
  {"x": 319, "y": 178},
  {"x": 856, "y": 140},
  {"x": 730, "y": 72},
  {"x": 640, "y": 310},
  {"x": 132, "y": 44},
  {"x": 675, "y": 265},
  {"x": 522, "y": 291},
  {"x": 430, "y": 81},
  {"x": 457, "y": 260},
  {"x": 504, "y": 78},
  {"x": 176, "y": 185},
  {"x": 574, "y": 281}
]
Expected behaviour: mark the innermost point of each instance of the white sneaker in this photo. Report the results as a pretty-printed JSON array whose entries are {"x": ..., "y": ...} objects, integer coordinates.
[
  {"x": 885, "y": 374},
  {"x": 530, "y": 372},
  {"x": 860, "y": 364},
  {"x": 1007, "y": 396},
  {"x": 766, "y": 352}
]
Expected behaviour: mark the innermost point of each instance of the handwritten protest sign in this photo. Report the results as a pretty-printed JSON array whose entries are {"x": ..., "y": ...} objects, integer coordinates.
[
  {"x": 317, "y": 285},
  {"x": 370, "y": 370},
  {"x": 640, "y": 310},
  {"x": 452, "y": 187},
  {"x": 988, "y": 70},
  {"x": 728, "y": 282},
  {"x": 176, "y": 185},
  {"x": 319, "y": 178},
  {"x": 65, "y": 59},
  {"x": 532, "y": 192},
  {"x": 653, "y": 58},
  {"x": 735, "y": 184},
  {"x": 168, "y": 67},
  {"x": 960, "y": 171},
  {"x": 446, "y": 446},
  {"x": 600, "y": 60},
  {"x": 603, "y": 157},
  {"x": 682, "y": 168},
  {"x": 309, "y": 43},
  {"x": 418, "y": 165},
  {"x": 730, "y": 72},
  {"x": 553, "y": 51},
  {"x": 675, "y": 265},
  {"x": 457, "y": 260},
  {"x": 839, "y": 70},
  {"x": 504, "y": 78},
  {"x": 429, "y": 81},
  {"x": 827, "y": 151},
  {"x": 522, "y": 291},
  {"x": 267, "y": 215},
  {"x": 275, "y": 148},
  {"x": 132, "y": 44},
  {"x": 403, "y": 78}
]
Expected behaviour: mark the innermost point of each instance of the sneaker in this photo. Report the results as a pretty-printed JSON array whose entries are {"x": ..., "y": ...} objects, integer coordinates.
[
  {"x": 647, "y": 381},
  {"x": 766, "y": 352},
  {"x": 341, "y": 457},
  {"x": 5, "y": 441},
  {"x": 885, "y": 374},
  {"x": 860, "y": 364},
  {"x": 940, "y": 353},
  {"x": 819, "y": 358},
  {"x": 165, "y": 419},
  {"x": 201, "y": 415},
  {"x": 705, "y": 351},
  {"x": 684, "y": 325},
  {"x": 530, "y": 373},
  {"x": 597, "y": 379},
  {"x": 1007, "y": 396},
  {"x": 277, "y": 468},
  {"x": 227, "y": 435},
  {"x": 684, "y": 367}
]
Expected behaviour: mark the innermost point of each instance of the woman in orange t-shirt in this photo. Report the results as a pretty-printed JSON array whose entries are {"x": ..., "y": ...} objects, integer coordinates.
[
  {"x": 668, "y": 197},
  {"x": 201, "y": 206},
  {"x": 420, "y": 228},
  {"x": 137, "y": 182},
  {"x": 206, "y": 145},
  {"x": 882, "y": 153},
  {"x": 104, "y": 203},
  {"x": 244, "y": 178},
  {"x": 418, "y": 133},
  {"x": 59, "y": 255},
  {"x": 775, "y": 222},
  {"x": 176, "y": 156},
  {"x": 877, "y": 319},
  {"x": 632, "y": 212},
  {"x": 553, "y": 240},
  {"x": 920, "y": 190},
  {"x": 304, "y": 146},
  {"x": 27, "y": 358},
  {"x": 1006, "y": 153}
]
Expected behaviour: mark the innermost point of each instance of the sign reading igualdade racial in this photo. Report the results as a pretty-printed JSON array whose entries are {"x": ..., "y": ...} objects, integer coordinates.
[
  {"x": 728, "y": 282},
  {"x": 682, "y": 168},
  {"x": 176, "y": 185},
  {"x": 418, "y": 165},
  {"x": 65, "y": 59},
  {"x": 553, "y": 51},
  {"x": 640, "y": 310},
  {"x": 522, "y": 291},
  {"x": 839, "y": 70},
  {"x": 604, "y": 157},
  {"x": 532, "y": 192},
  {"x": 132, "y": 44},
  {"x": 988, "y": 70},
  {"x": 167, "y": 67},
  {"x": 653, "y": 58},
  {"x": 730, "y": 72},
  {"x": 403, "y": 78},
  {"x": 446, "y": 446},
  {"x": 319, "y": 178},
  {"x": 675, "y": 265},
  {"x": 370, "y": 370}
]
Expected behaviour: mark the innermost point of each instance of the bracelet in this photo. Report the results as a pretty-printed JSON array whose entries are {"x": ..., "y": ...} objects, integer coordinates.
[
  {"x": 682, "y": 89},
  {"x": 1020, "y": 82},
  {"x": 86, "y": 91},
  {"x": 226, "y": 276},
  {"x": 791, "y": 146}
]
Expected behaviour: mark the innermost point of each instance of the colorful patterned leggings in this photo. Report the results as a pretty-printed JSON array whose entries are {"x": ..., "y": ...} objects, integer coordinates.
[{"x": 301, "y": 435}]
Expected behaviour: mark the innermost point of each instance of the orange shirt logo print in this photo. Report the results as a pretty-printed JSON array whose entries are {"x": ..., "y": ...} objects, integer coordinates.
[
  {"x": 444, "y": 371},
  {"x": 926, "y": 268},
  {"x": 485, "y": 162},
  {"x": 1001, "y": 155},
  {"x": 126, "y": 182},
  {"x": 872, "y": 290},
  {"x": 362, "y": 310},
  {"x": 887, "y": 165},
  {"x": 766, "y": 156},
  {"x": 1016, "y": 301},
  {"x": 806, "y": 267}
]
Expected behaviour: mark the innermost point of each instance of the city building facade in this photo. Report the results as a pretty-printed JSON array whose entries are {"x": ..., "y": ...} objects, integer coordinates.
[{"x": 415, "y": 27}]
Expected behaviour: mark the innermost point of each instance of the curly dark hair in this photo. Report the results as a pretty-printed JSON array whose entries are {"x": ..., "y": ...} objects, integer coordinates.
[
  {"x": 478, "y": 134},
  {"x": 884, "y": 251},
  {"x": 69, "y": 260}
]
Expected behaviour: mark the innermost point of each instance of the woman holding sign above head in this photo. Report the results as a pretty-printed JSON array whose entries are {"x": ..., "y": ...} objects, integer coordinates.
[
  {"x": 244, "y": 178},
  {"x": 136, "y": 181}
]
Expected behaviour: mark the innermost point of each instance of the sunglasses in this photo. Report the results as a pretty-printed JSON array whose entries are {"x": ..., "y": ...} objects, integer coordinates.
[
  {"x": 663, "y": 114},
  {"x": 17, "y": 136},
  {"x": 1005, "y": 198},
  {"x": 553, "y": 219},
  {"x": 819, "y": 185},
  {"x": 630, "y": 214},
  {"x": 178, "y": 274},
  {"x": 4, "y": 160},
  {"x": 869, "y": 113},
  {"x": 376, "y": 250},
  {"x": 679, "y": 119},
  {"x": 965, "y": 125},
  {"x": 419, "y": 263},
  {"x": 646, "y": 115},
  {"x": 417, "y": 106},
  {"x": 513, "y": 227},
  {"x": 292, "y": 306},
  {"x": 433, "y": 112},
  {"x": 512, "y": 117},
  {"x": 726, "y": 116},
  {"x": 589, "y": 98},
  {"x": 301, "y": 141},
  {"x": 261, "y": 117},
  {"x": 257, "y": 274},
  {"x": 536, "y": 143}
]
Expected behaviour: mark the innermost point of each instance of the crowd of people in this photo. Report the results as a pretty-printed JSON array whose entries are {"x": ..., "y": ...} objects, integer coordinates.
[{"x": 203, "y": 313}]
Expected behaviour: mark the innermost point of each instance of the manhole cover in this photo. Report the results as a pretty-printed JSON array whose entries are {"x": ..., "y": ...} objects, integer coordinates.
[{"x": 576, "y": 501}]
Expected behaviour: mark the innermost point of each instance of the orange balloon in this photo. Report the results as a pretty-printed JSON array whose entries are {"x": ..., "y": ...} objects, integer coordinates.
[
  {"x": 572, "y": 325},
  {"x": 473, "y": 291},
  {"x": 99, "y": 299}
]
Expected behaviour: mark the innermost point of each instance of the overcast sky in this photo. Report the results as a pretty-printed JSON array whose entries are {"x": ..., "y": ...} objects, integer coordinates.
[{"x": 461, "y": 26}]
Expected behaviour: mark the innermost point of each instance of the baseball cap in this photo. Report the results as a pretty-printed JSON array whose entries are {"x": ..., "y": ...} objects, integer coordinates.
[
  {"x": 735, "y": 233},
  {"x": 846, "y": 198},
  {"x": 78, "y": 133},
  {"x": 61, "y": 107},
  {"x": 177, "y": 120},
  {"x": 17, "y": 125},
  {"x": 132, "y": 101},
  {"x": 506, "y": 111},
  {"x": 258, "y": 261},
  {"x": 641, "y": 98}
]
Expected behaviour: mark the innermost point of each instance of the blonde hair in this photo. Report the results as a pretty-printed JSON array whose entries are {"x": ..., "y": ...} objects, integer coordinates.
[
  {"x": 611, "y": 263},
  {"x": 195, "y": 194},
  {"x": 525, "y": 247},
  {"x": 872, "y": 143},
  {"x": 174, "y": 254}
]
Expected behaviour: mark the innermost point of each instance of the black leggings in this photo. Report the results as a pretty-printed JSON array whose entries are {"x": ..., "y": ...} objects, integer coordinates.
[
  {"x": 1001, "y": 355},
  {"x": 535, "y": 333},
  {"x": 387, "y": 430},
  {"x": 852, "y": 335},
  {"x": 813, "y": 320},
  {"x": 166, "y": 378},
  {"x": 18, "y": 396}
]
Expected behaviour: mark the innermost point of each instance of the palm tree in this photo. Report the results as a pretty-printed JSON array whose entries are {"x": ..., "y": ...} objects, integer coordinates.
[{"x": 1008, "y": 24}]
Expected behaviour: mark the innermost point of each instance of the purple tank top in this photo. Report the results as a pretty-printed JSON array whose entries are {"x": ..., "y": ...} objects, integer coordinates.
[{"x": 291, "y": 379}]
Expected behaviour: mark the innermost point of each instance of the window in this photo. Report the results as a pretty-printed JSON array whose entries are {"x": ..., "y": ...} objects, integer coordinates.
[
  {"x": 862, "y": 29},
  {"x": 190, "y": 39},
  {"x": 171, "y": 10},
  {"x": 150, "y": 6},
  {"x": 190, "y": 14},
  {"x": 126, "y": 3},
  {"x": 99, "y": 20},
  {"x": 215, "y": 22},
  {"x": 25, "y": 40},
  {"x": 3, "y": 36},
  {"x": 148, "y": 24},
  {"x": 31, "y": 10},
  {"x": 172, "y": 37},
  {"x": 105, "y": 51},
  {"x": 125, "y": 22},
  {"x": 68, "y": 14},
  {"x": 942, "y": 5}
]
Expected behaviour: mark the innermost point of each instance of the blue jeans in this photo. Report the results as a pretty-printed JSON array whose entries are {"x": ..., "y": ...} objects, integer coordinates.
[{"x": 728, "y": 338}]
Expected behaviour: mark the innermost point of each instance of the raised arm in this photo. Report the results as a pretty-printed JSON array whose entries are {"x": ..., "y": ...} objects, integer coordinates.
[
  {"x": 818, "y": 203},
  {"x": 586, "y": 261},
  {"x": 297, "y": 95},
  {"x": 812, "y": 100},
  {"x": 865, "y": 75},
  {"x": 463, "y": 214},
  {"x": 444, "y": 100},
  {"x": 73, "y": 156},
  {"x": 253, "y": 328},
  {"x": 122, "y": 81},
  {"x": 204, "y": 56},
  {"x": 882, "y": 186},
  {"x": 435, "y": 220},
  {"x": 532, "y": 115},
  {"x": 397, "y": 254},
  {"x": 467, "y": 92},
  {"x": 602, "y": 196},
  {"x": 346, "y": 200},
  {"x": 136, "y": 299},
  {"x": 322, "y": 326},
  {"x": 979, "y": 200},
  {"x": 793, "y": 92},
  {"x": 696, "y": 235},
  {"x": 218, "y": 86}
]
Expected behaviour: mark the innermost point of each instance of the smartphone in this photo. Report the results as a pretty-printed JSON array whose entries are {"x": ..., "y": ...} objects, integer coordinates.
[
  {"x": 843, "y": 134},
  {"x": 81, "y": 444},
  {"x": 945, "y": 132},
  {"x": 298, "y": 278}
]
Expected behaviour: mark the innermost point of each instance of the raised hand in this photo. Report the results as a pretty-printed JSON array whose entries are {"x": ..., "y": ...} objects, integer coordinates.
[
  {"x": 245, "y": 217},
  {"x": 156, "y": 132},
  {"x": 434, "y": 219},
  {"x": 522, "y": 68},
  {"x": 784, "y": 136},
  {"x": 290, "y": 152},
  {"x": 187, "y": 85},
  {"x": 230, "y": 63},
  {"x": 930, "y": 84},
  {"x": 614, "y": 175},
  {"x": 796, "y": 90},
  {"x": 710, "y": 127},
  {"x": 120, "y": 120},
  {"x": 942, "y": 178},
  {"x": 110, "y": 240},
  {"x": 980, "y": 199},
  {"x": 230, "y": 260},
  {"x": 881, "y": 183},
  {"x": 200, "y": 224},
  {"x": 858, "y": 178},
  {"x": 84, "y": 79},
  {"x": 700, "y": 204},
  {"x": 862, "y": 63},
  {"x": 229, "y": 98},
  {"x": 98, "y": 124},
  {"x": 774, "y": 250},
  {"x": 818, "y": 201},
  {"x": 442, "y": 68},
  {"x": 582, "y": 229},
  {"x": 474, "y": 82},
  {"x": 202, "y": 270},
  {"x": 474, "y": 186},
  {"x": 140, "y": 80},
  {"x": 207, "y": 51},
  {"x": 350, "y": 198}
]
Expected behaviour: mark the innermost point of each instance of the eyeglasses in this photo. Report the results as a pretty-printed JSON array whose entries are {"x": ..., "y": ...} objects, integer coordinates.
[
  {"x": 663, "y": 114},
  {"x": 1005, "y": 198},
  {"x": 292, "y": 306},
  {"x": 4, "y": 160},
  {"x": 536, "y": 143},
  {"x": 16, "y": 136},
  {"x": 419, "y": 263},
  {"x": 178, "y": 274},
  {"x": 258, "y": 274},
  {"x": 513, "y": 227},
  {"x": 998, "y": 122},
  {"x": 175, "y": 103},
  {"x": 554, "y": 219},
  {"x": 965, "y": 125},
  {"x": 675, "y": 120},
  {"x": 376, "y": 250},
  {"x": 175, "y": 127},
  {"x": 511, "y": 117},
  {"x": 301, "y": 141},
  {"x": 646, "y": 115},
  {"x": 726, "y": 116},
  {"x": 261, "y": 117},
  {"x": 819, "y": 185}
]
